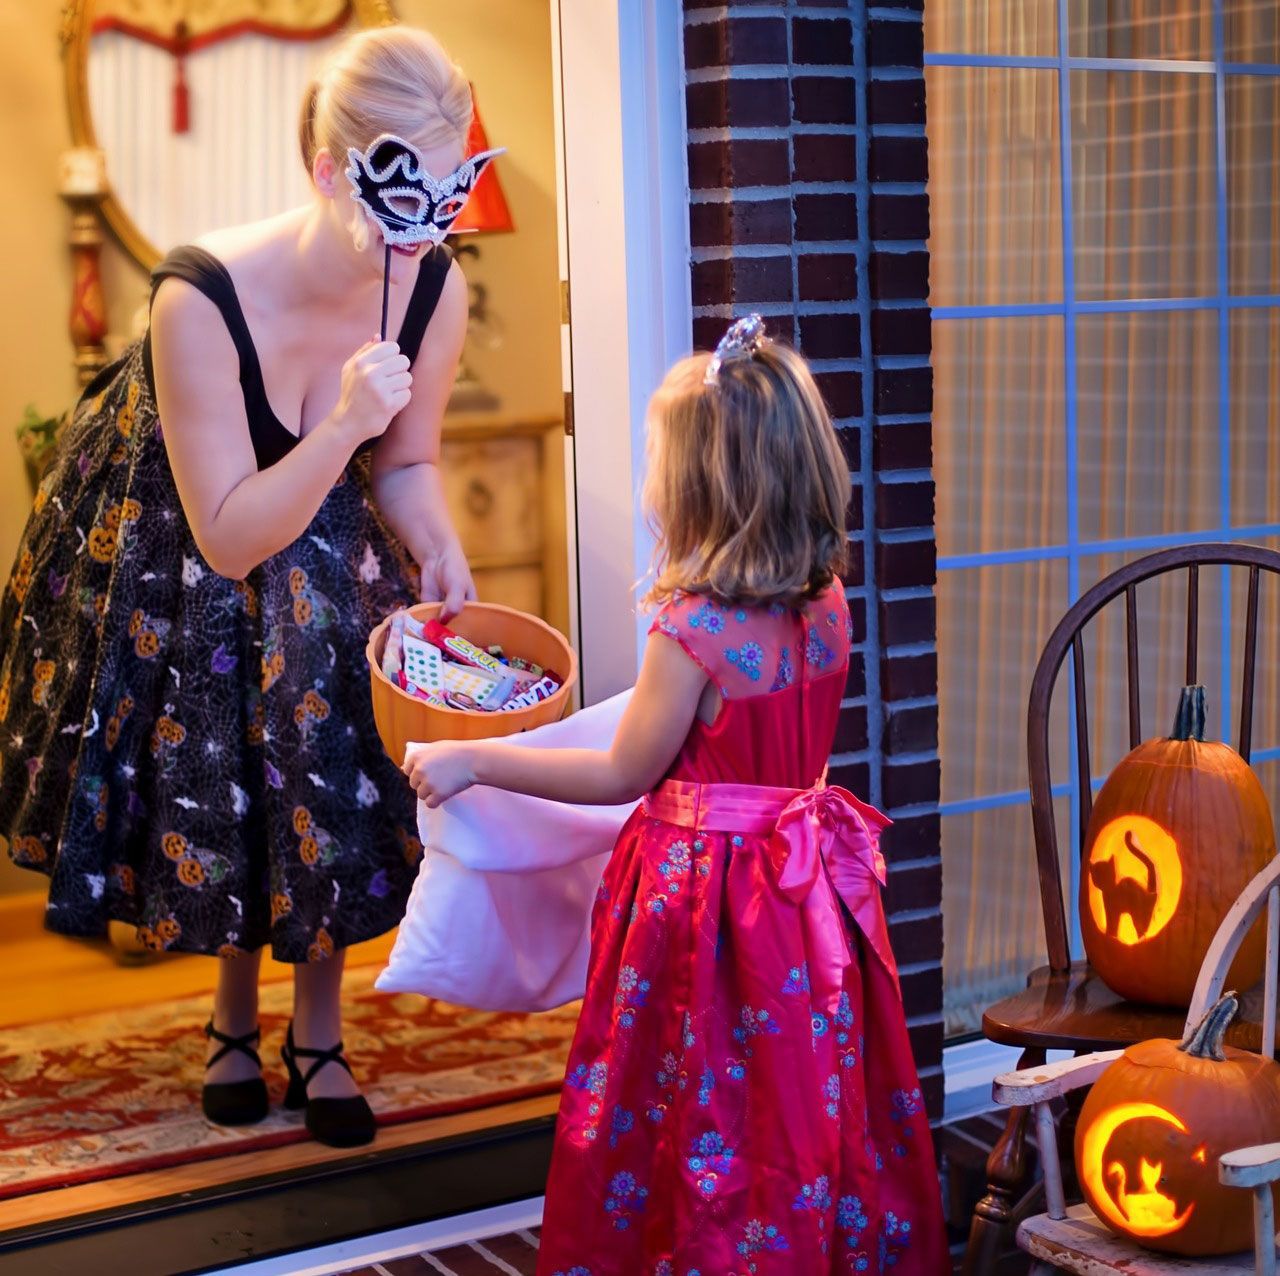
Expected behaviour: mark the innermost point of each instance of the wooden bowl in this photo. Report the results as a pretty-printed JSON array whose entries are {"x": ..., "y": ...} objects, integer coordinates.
[{"x": 404, "y": 719}]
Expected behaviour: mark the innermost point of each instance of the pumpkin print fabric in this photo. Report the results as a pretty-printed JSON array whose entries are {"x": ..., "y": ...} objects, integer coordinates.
[
  {"x": 724, "y": 1111},
  {"x": 188, "y": 754}
]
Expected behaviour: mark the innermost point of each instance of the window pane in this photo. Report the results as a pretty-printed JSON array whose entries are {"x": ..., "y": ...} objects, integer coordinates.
[
  {"x": 1147, "y": 392},
  {"x": 995, "y": 621},
  {"x": 1143, "y": 190},
  {"x": 1255, "y": 417},
  {"x": 1141, "y": 29},
  {"x": 992, "y": 919},
  {"x": 998, "y": 438},
  {"x": 1027, "y": 28},
  {"x": 1252, "y": 30},
  {"x": 1253, "y": 182},
  {"x": 994, "y": 188}
]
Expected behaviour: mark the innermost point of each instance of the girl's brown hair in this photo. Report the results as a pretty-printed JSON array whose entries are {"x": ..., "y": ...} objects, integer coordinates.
[{"x": 747, "y": 486}]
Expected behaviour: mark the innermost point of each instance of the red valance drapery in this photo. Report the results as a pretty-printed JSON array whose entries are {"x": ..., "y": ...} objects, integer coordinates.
[{"x": 181, "y": 27}]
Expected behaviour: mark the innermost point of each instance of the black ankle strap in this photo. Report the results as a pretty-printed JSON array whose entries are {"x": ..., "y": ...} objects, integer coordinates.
[
  {"x": 321, "y": 1058},
  {"x": 245, "y": 1045}
]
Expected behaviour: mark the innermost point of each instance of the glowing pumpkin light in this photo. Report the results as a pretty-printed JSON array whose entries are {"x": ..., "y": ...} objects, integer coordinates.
[
  {"x": 1153, "y": 1127},
  {"x": 1179, "y": 829}
]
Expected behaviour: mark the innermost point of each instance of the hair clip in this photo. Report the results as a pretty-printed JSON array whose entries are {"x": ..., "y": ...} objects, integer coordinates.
[{"x": 744, "y": 338}]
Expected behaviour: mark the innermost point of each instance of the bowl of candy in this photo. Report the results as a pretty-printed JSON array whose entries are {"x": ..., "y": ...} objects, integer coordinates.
[{"x": 491, "y": 671}]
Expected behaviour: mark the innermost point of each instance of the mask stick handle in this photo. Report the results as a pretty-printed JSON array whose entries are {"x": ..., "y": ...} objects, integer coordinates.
[{"x": 386, "y": 288}]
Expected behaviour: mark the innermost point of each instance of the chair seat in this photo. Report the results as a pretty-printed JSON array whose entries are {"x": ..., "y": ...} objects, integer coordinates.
[
  {"x": 1075, "y": 1010},
  {"x": 1080, "y": 1243}
]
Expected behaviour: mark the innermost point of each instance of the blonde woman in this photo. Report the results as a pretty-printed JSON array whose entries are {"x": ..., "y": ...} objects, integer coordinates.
[
  {"x": 741, "y": 1093},
  {"x": 185, "y": 726}
]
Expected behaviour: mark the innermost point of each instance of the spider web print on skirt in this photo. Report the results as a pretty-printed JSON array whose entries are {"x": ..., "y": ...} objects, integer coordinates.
[{"x": 118, "y": 1092}]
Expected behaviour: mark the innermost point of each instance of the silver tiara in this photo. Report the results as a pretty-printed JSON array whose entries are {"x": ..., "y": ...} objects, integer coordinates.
[{"x": 744, "y": 338}]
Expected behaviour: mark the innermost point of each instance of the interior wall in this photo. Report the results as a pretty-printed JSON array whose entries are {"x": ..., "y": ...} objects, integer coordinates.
[{"x": 505, "y": 48}]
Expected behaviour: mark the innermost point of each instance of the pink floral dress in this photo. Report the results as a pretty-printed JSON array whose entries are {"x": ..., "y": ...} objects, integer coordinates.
[{"x": 741, "y": 1096}]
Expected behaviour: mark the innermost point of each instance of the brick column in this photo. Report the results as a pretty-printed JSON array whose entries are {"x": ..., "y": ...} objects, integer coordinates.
[{"x": 807, "y": 168}]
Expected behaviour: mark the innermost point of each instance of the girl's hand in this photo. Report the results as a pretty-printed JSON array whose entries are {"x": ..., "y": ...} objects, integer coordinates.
[
  {"x": 376, "y": 384},
  {"x": 447, "y": 576},
  {"x": 438, "y": 772}
]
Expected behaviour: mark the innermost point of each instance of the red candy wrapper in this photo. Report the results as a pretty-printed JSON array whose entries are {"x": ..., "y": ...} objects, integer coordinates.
[{"x": 464, "y": 652}]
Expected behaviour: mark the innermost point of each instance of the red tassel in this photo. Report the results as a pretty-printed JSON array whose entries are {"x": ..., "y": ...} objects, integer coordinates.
[{"x": 181, "y": 99}]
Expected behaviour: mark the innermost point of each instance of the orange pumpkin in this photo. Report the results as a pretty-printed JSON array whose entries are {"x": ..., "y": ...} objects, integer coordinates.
[
  {"x": 1178, "y": 831},
  {"x": 1153, "y": 1127}
]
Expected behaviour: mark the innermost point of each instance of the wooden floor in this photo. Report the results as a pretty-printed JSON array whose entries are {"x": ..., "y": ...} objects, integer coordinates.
[{"x": 63, "y": 977}]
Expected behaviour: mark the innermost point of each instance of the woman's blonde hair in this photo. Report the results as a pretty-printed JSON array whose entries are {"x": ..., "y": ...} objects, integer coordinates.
[
  {"x": 747, "y": 486},
  {"x": 385, "y": 80}
]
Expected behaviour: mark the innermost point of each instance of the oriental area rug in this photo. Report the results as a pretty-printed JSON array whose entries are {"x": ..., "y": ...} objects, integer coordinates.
[{"x": 118, "y": 1092}]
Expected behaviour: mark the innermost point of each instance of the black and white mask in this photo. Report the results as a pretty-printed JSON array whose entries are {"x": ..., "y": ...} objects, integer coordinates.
[{"x": 391, "y": 183}]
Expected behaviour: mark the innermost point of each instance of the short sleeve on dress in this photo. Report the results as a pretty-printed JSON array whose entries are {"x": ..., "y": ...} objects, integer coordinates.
[{"x": 749, "y": 651}]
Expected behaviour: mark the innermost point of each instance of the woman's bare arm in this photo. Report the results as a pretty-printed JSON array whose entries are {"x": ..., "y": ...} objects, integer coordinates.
[{"x": 240, "y": 515}]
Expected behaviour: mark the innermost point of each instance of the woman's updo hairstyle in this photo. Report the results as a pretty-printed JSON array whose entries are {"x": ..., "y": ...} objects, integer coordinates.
[{"x": 393, "y": 79}]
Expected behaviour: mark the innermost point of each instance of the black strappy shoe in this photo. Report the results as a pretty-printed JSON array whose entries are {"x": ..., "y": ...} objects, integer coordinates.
[
  {"x": 235, "y": 1102},
  {"x": 341, "y": 1123}
]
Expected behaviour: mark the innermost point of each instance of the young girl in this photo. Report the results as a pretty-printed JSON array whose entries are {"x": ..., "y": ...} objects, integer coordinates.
[{"x": 740, "y": 1096}]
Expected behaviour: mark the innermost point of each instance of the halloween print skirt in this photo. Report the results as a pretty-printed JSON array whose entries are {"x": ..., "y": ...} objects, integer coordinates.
[{"x": 191, "y": 755}]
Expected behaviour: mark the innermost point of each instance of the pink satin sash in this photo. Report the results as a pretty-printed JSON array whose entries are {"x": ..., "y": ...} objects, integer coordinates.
[{"x": 809, "y": 830}]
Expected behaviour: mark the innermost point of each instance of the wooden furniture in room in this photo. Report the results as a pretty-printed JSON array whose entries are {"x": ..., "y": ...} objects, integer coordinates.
[
  {"x": 1065, "y": 1006},
  {"x": 504, "y": 482},
  {"x": 1073, "y": 1239}
]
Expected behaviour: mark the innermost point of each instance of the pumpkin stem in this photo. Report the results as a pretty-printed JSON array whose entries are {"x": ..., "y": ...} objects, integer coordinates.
[
  {"x": 1205, "y": 1040},
  {"x": 1192, "y": 713}
]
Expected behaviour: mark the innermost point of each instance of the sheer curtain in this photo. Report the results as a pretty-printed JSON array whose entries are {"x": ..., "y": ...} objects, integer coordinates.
[{"x": 1084, "y": 411}]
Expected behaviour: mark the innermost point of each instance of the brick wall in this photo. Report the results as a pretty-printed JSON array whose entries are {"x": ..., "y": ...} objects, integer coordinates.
[{"x": 807, "y": 166}]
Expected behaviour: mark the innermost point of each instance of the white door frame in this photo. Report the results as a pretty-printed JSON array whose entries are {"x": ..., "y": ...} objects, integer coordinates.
[{"x": 625, "y": 243}]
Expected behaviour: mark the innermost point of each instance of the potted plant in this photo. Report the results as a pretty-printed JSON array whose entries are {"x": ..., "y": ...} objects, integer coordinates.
[{"x": 38, "y": 440}]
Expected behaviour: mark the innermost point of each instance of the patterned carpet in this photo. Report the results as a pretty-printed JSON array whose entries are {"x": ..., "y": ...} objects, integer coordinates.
[{"x": 118, "y": 1092}]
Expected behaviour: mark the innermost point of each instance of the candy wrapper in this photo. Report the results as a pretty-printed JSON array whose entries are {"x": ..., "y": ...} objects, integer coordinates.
[{"x": 434, "y": 664}]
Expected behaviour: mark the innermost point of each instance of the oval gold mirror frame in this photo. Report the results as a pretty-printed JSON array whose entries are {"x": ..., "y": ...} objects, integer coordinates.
[{"x": 76, "y": 22}]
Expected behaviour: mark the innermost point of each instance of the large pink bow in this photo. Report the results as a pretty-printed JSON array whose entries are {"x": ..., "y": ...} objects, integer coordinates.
[{"x": 832, "y": 828}]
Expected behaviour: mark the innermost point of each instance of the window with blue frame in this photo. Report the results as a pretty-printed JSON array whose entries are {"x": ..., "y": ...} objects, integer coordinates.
[{"x": 1106, "y": 282}]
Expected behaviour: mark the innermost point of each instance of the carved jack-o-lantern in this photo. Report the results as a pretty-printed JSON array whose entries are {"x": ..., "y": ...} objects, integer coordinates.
[
  {"x": 1153, "y": 1127},
  {"x": 1178, "y": 831}
]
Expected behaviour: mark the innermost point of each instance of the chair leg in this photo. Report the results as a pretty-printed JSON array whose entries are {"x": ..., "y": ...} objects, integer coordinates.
[{"x": 1006, "y": 1174}]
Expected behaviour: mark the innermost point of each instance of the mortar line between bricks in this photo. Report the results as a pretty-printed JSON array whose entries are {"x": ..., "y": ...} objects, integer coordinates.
[
  {"x": 896, "y": 74},
  {"x": 768, "y": 194},
  {"x": 871, "y": 664},
  {"x": 914, "y": 914},
  {"x": 917, "y": 968},
  {"x": 790, "y": 191}
]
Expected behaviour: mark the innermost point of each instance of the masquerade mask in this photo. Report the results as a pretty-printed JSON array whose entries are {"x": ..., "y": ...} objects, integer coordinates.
[
  {"x": 389, "y": 181},
  {"x": 743, "y": 339}
]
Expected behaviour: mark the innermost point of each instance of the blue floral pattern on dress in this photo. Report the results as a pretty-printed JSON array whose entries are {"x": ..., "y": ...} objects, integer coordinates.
[
  {"x": 626, "y": 1198},
  {"x": 752, "y": 1024},
  {"x": 831, "y": 1092},
  {"x": 797, "y": 981},
  {"x": 904, "y": 1105},
  {"x": 709, "y": 1161},
  {"x": 760, "y": 1238},
  {"x": 816, "y": 652},
  {"x": 786, "y": 674},
  {"x": 708, "y": 618},
  {"x": 895, "y": 1238},
  {"x": 705, "y": 1087},
  {"x": 631, "y": 995},
  {"x": 621, "y": 1122},
  {"x": 747, "y": 659}
]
